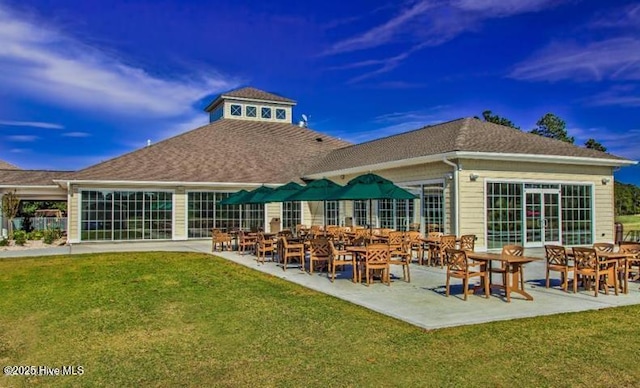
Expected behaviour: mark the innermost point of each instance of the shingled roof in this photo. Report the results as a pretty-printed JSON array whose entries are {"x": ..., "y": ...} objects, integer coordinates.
[
  {"x": 226, "y": 150},
  {"x": 31, "y": 177},
  {"x": 7, "y": 166},
  {"x": 466, "y": 134}
]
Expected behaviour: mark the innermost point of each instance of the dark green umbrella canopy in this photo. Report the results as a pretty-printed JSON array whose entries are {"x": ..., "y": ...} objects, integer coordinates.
[
  {"x": 280, "y": 194},
  {"x": 258, "y": 195},
  {"x": 370, "y": 186},
  {"x": 318, "y": 190},
  {"x": 235, "y": 198}
]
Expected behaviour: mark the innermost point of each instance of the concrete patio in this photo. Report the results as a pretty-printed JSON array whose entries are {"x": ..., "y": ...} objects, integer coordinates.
[{"x": 421, "y": 302}]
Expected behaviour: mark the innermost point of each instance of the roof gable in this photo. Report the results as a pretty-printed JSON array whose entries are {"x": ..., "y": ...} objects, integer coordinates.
[
  {"x": 7, "y": 166},
  {"x": 467, "y": 135},
  {"x": 223, "y": 151}
]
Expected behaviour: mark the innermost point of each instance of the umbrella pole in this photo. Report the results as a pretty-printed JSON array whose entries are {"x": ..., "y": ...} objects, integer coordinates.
[{"x": 370, "y": 220}]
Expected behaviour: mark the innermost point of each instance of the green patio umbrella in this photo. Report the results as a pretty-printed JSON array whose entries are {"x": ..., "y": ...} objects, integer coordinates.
[
  {"x": 370, "y": 186},
  {"x": 258, "y": 195},
  {"x": 234, "y": 198},
  {"x": 281, "y": 194},
  {"x": 318, "y": 190}
]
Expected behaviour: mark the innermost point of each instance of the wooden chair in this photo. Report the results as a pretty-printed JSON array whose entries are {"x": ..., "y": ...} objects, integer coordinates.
[
  {"x": 264, "y": 246},
  {"x": 468, "y": 242},
  {"x": 603, "y": 247},
  {"x": 446, "y": 242},
  {"x": 319, "y": 252},
  {"x": 432, "y": 250},
  {"x": 631, "y": 268},
  {"x": 400, "y": 253},
  {"x": 246, "y": 242},
  {"x": 557, "y": 260},
  {"x": 458, "y": 267},
  {"x": 589, "y": 266},
  {"x": 376, "y": 257},
  {"x": 289, "y": 252},
  {"x": 218, "y": 238},
  {"x": 341, "y": 258},
  {"x": 415, "y": 245},
  {"x": 510, "y": 250}
]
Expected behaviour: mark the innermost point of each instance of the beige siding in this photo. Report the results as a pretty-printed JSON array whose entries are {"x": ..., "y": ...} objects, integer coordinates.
[
  {"x": 272, "y": 210},
  {"x": 180, "y": 214},
  {"x": 73, "y": 214},
  {"x": 306, "y": 213},
  {"x": 472, "y": 194}
]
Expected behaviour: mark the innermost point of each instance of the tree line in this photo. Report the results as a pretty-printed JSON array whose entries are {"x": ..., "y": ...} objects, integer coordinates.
[{"x": 627, "y": 196}]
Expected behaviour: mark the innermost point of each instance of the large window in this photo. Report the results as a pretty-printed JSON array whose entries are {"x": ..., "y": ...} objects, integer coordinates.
[
  {"x": 206, "y": 213},
  {"x": 291, "y": 214},
  {"x": 126, "y": 215},
  {"x": 504, "y": 214},
  {"x": 331, "y": 213},
  {"x": 433, "y": 208},
  {"x": 395, "y": 213},
  {"x": 361, "y": 212},
  {"x": 576, "y": 215}
]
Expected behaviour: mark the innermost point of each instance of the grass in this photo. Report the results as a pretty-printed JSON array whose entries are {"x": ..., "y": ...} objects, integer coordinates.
[
  {"x": 629, "y": 222},
  {"x": 179, "y": 319}
]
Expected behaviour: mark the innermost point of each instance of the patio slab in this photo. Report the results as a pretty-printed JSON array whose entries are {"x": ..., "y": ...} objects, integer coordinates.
[{"x": 421, "y": 302}]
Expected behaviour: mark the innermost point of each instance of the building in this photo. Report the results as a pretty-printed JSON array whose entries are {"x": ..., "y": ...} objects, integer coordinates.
[{"x": 471, "y": 177}]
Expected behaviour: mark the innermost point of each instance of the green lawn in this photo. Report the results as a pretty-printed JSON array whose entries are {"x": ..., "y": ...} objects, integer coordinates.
[
  {"x": 177, "y": 319},
  {"x": 629, "y": 222}
]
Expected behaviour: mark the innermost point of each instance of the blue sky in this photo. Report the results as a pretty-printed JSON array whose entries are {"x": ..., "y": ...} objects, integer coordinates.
[{"x": 85, "y": 81}]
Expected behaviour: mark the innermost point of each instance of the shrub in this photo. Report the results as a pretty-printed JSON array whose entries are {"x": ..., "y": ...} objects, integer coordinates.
[
  {"x": 20, "y": 237},
  {"x": 4, "y": 242},
  {"x": 36, "y": 235},
  {"x": 50, "y": 235}
]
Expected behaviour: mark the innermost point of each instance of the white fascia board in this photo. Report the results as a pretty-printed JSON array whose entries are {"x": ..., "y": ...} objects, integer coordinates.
[
  {"x": 163, "y": 183},
  {"x": 29, "y": 186},
  {"x": 257, "y": 101},
  {"x": 385, "y": 165},
  {"x": 553, "y": 159}
]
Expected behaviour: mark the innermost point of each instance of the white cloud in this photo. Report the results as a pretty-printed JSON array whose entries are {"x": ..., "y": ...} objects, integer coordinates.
[
  {"x": 34, "y": 124},
  {"x": 23, "y": 138},
  {"x": 428, "y": 23},
  {"x": 620, "y": 95},
  {"x": 44, "y": 63},
  {"x": 611, "y": 59},
  {"x": 75, "y": 134},
  {"x": 19, "y": 150},
  {"x": 501, "y": 8},
  {"x": 625, "y": 144}
]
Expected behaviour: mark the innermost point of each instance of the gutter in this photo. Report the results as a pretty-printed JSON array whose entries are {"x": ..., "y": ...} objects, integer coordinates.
[{"x": 456, "y": 194}]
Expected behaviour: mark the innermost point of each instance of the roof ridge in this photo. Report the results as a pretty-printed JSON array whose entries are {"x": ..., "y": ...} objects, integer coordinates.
[
  {"x": 403, "y": 133},
  {"x": 463, "y": 132}
]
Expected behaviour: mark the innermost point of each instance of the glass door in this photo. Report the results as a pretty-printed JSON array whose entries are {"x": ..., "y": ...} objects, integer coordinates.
[{"x": 542, "y": 217}]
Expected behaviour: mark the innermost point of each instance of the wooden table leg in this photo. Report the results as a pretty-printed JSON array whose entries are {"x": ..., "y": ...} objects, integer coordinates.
[{"x": 516, "y": 280}]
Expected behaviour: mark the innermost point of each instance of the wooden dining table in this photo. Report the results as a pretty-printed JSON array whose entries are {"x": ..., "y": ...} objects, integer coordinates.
[
  {"x": 514, "y": 267},
  {"x": 617, "y": 257}
]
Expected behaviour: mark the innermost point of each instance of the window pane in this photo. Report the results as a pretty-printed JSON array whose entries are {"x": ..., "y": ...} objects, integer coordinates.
[
  {"x": 281, "y": 114},
  {"x": 504, "y": 214},
  {"x": 236, "y": 110},
  {"x": 576, "y": 215},
  {"x": 251, "y": 111},
  {"x": 265, "y": 113}
]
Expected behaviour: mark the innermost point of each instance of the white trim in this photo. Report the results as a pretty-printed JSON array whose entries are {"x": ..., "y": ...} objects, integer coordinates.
[
  {"x": 229, "y": 98},
  {"x": 525, "y": 181},
  {"x": 239, "y": 185},
  {"x": 18, "y": 186},
  {"x": 553, "y": 159}
]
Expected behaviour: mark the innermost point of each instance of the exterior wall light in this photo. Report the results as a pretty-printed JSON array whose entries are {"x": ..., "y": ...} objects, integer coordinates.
[
  {"x": 473, "y": 176},
  {"x": 606, "y": 180}
]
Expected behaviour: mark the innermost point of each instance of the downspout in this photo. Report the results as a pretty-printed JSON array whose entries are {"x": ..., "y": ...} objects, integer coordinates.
[
  {"x": 69, "y": 194},
  {"x": 456, "y": 192}
]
